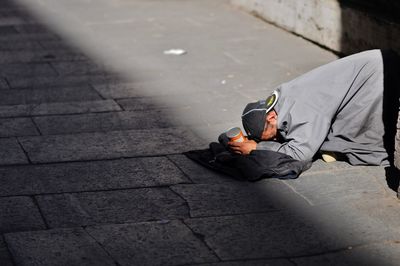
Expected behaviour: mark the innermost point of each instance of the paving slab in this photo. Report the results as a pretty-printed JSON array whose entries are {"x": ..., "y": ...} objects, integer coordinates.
[
  {"x": 197, "y": 173},
  {"x": 5, "y": 30},
  {"x": 108, "y": 145},
  {"x": 5, "y": 257},
  {"x": 19, "y": 214},
  {"x": 236, "y": 198},
  {"x": 171, "y": 89},
  {"x": 61, "y": 56},
  {"x": 11, "y": 152},
  {"x": 29, "y": 37},
  {"x": 188, "y": 108},
  {"x": 14, "y": 14},
  {"x": 31, "y": 28},
  {"x": 258, "y": 236},
  {"x": 57, "y": 247},
  {"x": 196, "y": 115},
  {"x": 83, "y": 68},
  {"x": 210, "y": 132},
  {"x": 119, "y": 206},
  {"x": 19, "y": 70},
  {"x": 58, "y": 108},
  {"x": 103, "y": 122},
  {"x": 38, "y": 56},
  {"x": 360, "y": 222},
  {"x": 183, "y": 100},
  {"x": 155, "y": 243},
  {"x": 386, "y": 253},
  {"x": 20, "y": 46},
  {"x": 383, "y": 210},
  {"x": 89, "y": 176},
  {"x": 140, "y": 104},
  {"x": 116, "y": 91},
  {"x": 3, "y": 84},
  {"x": 157, "y": 84},
  {"x": 14, "y": 127},
  {"x": 58, "y": 45},
  {"x": 10, "y": 17},
  {"x": 319, "y": 166},
  {"x": 41, "y": 82},
  {"x": 45, "y": 95},
  {"x": 276, "y": 234},
  {"x": 387, "y": 177},
  {"x": 272, "y": 262},
  {"x": 382, "y": 176},
  {"x": 337, "y": 186}
]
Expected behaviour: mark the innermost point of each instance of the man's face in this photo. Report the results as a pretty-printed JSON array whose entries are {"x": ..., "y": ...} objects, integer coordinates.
[{"x": 270, "y": 128}]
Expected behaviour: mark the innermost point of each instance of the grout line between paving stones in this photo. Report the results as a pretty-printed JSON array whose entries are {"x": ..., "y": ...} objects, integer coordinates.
[
  {"x": 41, "y": 45},
  {"x": 292, "y": 258},
  {"x": 236, "y": 214},
  {"x": 109, "y": 131},
  {"x": 184, "y": 200},
  {"x": 86, "y": 161},
  {"x": 202, "y": 238},
  {"x": 58, "y": 74},
  {"x": 385, "y": 189},
  {"x": 145, "y": 169},
  {"x": 101, "y": 246},
  {"x": 87, "y": 191},
  {"x": 180, "y": 169},
  {"x": 122, "y": 107},
  {"x": 115, "y": 158},
  {"x": 64, "y": 114},
  {"x": 327, "y": 171},
  {"x": 25, "y": 152},
  {"x": 36, "y": 126},
  {"x": 335, "y": 251},
  {"x": 298, "y": 193},
  {"x": 245, "y": 260},
  {"x": 97, "y": 92},
  {"x": 9, "y": 251},
  {"x": 7, "y": 137},
  {"x": 40, "y": 212},
  {"x": 292, "y": 262},
  {"x": 7, "y": 82},
  {"x": 69, "y": 114}
]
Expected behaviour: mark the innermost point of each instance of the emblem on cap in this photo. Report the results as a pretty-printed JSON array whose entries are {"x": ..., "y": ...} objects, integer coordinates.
[{"x": 271, "y": 101}]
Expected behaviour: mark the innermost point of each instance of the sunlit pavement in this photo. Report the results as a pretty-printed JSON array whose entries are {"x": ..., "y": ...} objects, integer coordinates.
[{"x": 95, "y": 115}]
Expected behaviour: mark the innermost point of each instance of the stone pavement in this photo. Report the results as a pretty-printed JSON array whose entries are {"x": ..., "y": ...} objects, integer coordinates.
[{"x": 94, "y": 120}]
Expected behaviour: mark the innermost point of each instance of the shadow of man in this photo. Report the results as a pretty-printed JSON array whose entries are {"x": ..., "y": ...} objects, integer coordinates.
[{"x": 391, "y": 92}]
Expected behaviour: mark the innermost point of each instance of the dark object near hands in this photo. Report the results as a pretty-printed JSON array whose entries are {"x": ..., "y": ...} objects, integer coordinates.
[{"x": 257, "y": 165}]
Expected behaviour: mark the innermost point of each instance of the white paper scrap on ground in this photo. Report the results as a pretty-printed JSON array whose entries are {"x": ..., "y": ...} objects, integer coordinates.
[{"x": 175, "y": 52}]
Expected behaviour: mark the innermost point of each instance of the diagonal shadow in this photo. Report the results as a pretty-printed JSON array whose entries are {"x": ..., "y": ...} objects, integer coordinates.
[{"x": 83, "y": 134}]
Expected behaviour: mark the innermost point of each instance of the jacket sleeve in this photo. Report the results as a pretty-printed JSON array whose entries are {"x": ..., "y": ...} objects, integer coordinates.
[{"x": 303, "y": 134}]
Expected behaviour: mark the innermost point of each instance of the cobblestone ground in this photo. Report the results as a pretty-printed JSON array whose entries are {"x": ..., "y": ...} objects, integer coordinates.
[{"x": 94, "y": 120}]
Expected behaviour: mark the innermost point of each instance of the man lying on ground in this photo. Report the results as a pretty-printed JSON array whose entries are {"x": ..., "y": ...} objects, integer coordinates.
[{"x": 348, "y": 107}]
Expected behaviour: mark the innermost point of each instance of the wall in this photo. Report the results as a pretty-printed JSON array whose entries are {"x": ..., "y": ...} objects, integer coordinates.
[{"x": 343, "y": 26}]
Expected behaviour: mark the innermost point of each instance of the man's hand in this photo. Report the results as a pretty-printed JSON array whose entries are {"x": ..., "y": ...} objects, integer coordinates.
[{"x": 244, "y": 147}]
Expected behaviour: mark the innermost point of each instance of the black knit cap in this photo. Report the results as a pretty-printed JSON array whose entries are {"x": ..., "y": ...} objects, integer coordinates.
[{"x": 253, "y": 116}]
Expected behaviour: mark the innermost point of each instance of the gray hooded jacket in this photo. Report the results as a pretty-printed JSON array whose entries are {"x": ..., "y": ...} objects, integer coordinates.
[{"x": 336, "y": 107}]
